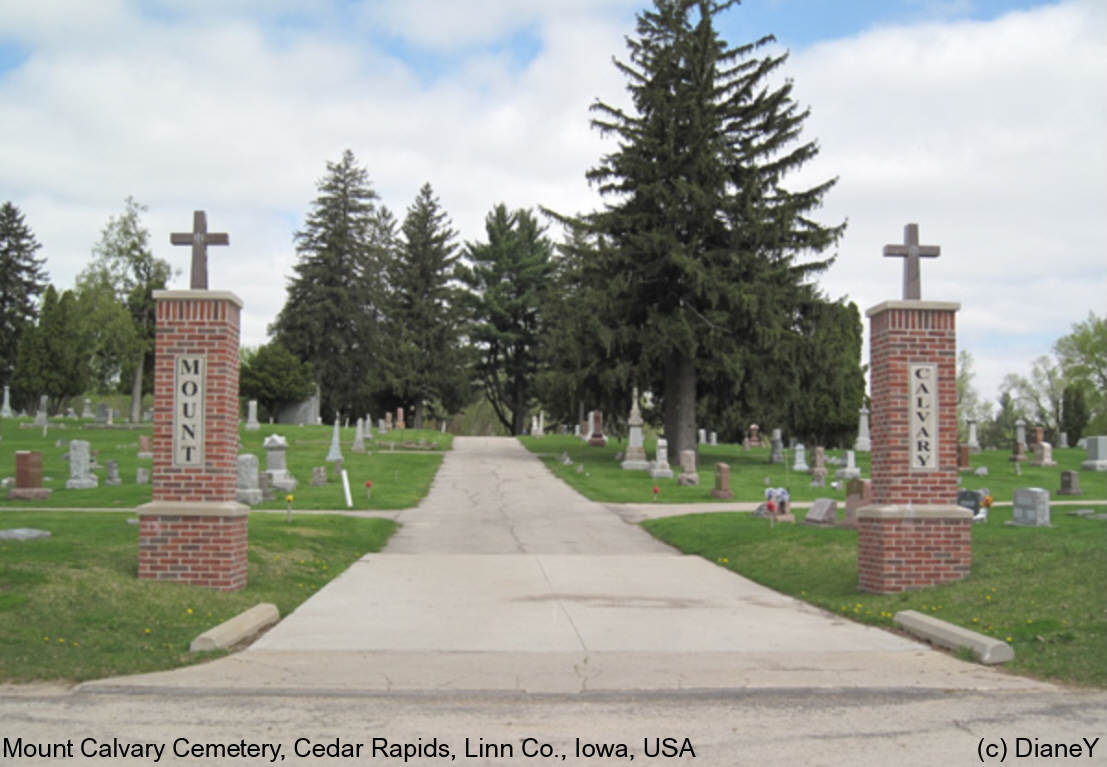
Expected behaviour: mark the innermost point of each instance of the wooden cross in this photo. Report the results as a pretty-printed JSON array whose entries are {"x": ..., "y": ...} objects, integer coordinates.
[
  {"x": 199, "y": 239},
  {"x": 911, "y": 251}
]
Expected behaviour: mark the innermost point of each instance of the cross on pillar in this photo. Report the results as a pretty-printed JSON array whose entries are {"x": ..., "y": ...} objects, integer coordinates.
[
  {"x": 911, "y": 251},
  {"x": 199, "y": 239}
]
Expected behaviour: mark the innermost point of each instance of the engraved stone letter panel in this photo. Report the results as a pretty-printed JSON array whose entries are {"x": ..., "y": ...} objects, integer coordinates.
[
  {"x": 923, "y": 415},
  {"x": 189, "y": 375}
]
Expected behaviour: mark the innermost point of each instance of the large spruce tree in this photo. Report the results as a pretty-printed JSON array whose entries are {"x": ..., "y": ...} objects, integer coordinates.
[
  {"x": 506, "y": 277},
  {"x": 52, "y": 359},
  {"x": 22, "y": 280},
  {"x": 426, "y": 364},
  {"x": 704, "y": 274},
  {"x": 333, "y": 312}
]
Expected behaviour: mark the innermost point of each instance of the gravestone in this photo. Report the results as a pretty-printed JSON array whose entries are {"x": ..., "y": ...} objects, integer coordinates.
[
  {"x": 265, "y": 482},
  {"x": 86, "y": 411},
  {"x": 194, "y": 531},
  {"x": 755, "y": 435},
  {"x": 982, "y": 471},
  {"x": 540, "y": 426},
  {"x": 973, "y": 442},
  {"x": 275, "y": 447},
  {"x": 799, "y": 462},
  {"x": 818, "y": 476},
  {"x": 597, "y": 438},
  {"x": 777, "y": 453},
  {"x": 147, "y": 416},
  {"x": 661, "y": 468},
  {"x": 40, "y": 414},
  {"x": 576, "y": 430},
  {"x": 912, "y": 535},
  {"x": 23, "y": 534},
  {"x": 28, "y": 477},
  {"x": 318, "y": 476},
  {"x": 113, "y": 479},
  {"x": 382, "y": 426},
  {"x": 722, "y": 482},
  {"x": 1043, "y": 454},
  {"x": 969, "y": 499},
  {"x": 1019, "y": 451},
  {"x": 688, "y": 474},
  {"x": 1030, "y": 507},
  {"x": 252, "y": 416},
  {"x": 80, "y": 476},
  {"x": 359, "y": 437},
  {"x": 850, "y": 471},
  {"x": 145, "y": 453},
  {"x": 820, "y": 458},
  {"x": 1063, "y": 440},
  {"x": 702, "y": 436},
  {"x": 859, "y": 493},
  {"x": 1037, "y": 435},
  {"x": 713, "y": 439},
  {"x": 1097, "y": 454},
  {"x": 111, "y": 415},
  {"x": 636, "y": 452},
  {"x": 6, "y": 408},
  {"x": 302, "y": 412},
  {"x": 963, "y": 463},
  {"x": 388, "y": 421},
  {"x": 246, "y": 487},
  {"x": 101, "y": 413},
  {"x": 400, "y": 425},
  {"x": 863, "y": 443},
  {"x": 1070, "y": 483},
  {"x": 335, "y": 452},
  {"x": 824, "y": 511},
  {"x": 142, "y": 476}
]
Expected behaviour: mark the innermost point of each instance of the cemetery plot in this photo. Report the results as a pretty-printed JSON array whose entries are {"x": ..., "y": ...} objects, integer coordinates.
[{"x": 401, "y": 468}]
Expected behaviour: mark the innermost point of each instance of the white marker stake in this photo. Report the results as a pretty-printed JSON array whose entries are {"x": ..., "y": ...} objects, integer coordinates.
[{"x": 346, "y": 489}]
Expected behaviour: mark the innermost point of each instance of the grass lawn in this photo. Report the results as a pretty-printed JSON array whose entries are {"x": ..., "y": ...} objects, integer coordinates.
[
  {"x": 1043, "y": 590},
  {"x": 400, "y": 470},
  {"x": 750, "y": 473},
  {"x": 72, "y": 607}
]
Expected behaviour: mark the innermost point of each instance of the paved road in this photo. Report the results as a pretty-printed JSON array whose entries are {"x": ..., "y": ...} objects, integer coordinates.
[{"x": 509, "y": 607}]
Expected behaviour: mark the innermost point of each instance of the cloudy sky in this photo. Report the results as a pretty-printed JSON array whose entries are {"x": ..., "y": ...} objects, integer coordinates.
[{"x": 982, "y": 120}]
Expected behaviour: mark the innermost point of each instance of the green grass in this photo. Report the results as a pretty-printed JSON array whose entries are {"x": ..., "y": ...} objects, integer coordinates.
[
  {"x": 1043, "y": 590},
  {"x": 72, "y": 607},
  {"x": 750, "y": 473},
  {"x": 401, "y": 471}
]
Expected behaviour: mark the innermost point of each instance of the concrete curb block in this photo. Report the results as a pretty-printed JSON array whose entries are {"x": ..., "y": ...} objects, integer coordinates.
[
  {"x": 233, "y": 631},
  {"x": 986, "y": 649}
]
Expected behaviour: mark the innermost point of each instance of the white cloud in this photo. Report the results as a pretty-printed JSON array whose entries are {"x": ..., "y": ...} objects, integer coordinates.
[{"x": 987, "y": 134}]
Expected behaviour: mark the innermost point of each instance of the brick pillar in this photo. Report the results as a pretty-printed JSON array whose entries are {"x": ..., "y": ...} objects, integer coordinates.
[
  {"x": 913, "y": 535},
  {"x": 194, "y": 531}
]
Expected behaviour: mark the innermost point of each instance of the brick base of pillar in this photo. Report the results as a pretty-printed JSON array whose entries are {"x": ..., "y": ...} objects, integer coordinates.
[
  {"x": 902, "y": 548},
  {"x": 201, "y": 544}
]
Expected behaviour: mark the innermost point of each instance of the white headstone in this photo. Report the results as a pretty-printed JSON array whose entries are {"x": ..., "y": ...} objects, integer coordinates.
[
  {"x": 636, "y": 452},
  {"x": 799, "y": 463},
  {"x": 1097, "y": 454},
  {"x": 247, "y": 489},
  {"x": 863, "y": 443},
  {"x": 335, "y": 452},
  {"x": 40, "y": 414},
  {"x": 6, "y": 409},
  {"x": 688, "y": 474},
  {"x": 252, "y": 416},
  {"x": 80, "y": 476},
  {"x": 713, "y": 439},
  {"x": 661, "y": 468},
  {"x": 1020, "y": 431},
  {"x": 275, "y": 446},
  {"x": 703, "y": 436},
  {"x": 359, "y": 437},
  {"x": 973, "y": 442},
  {"x": 86, "y": 412},
  {"x": 1043, "y": 455},
  {"x": 850, "y": 471},
  {"x": 1063, "y": 440}
]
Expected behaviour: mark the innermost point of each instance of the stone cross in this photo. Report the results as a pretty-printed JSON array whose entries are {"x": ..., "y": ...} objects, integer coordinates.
[
  {"x": 199, "y": 239},
  {"x": 911, "y": 252}
]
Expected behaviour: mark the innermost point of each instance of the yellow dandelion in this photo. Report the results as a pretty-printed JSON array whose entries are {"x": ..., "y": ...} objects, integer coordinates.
[
  {"x": 75, "y": 644},
  {"x": 988, "y": 597},
  {"x": 1029, "y": 620},
  {"x": 61, "y": 640},
  {"x": 147, "y": 631},
  {"x": 1009, "y": 640},
  {"x": 976, "y": 620},
  {"x": 46, "y": 639},
  {"x": 188, "y": 610}
]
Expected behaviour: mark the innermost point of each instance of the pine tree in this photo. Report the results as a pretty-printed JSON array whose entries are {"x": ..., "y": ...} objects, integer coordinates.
[
  {"x": 274, "y": 376},
  {"x": 505, "y": 277},
  {"x": 427, "y": 361},
  {"x": 52, "y": 360},
  {"x": 333, "y": 312},
  {"x": 22, "y": 279},
  {"x": 703, "y": 274}
]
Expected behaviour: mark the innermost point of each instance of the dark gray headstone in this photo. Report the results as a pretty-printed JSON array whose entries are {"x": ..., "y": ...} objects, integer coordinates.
[{"x": 969, "y": 499}]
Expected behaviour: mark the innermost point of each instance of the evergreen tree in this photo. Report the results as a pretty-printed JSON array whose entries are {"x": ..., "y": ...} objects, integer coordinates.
[
  {"x": 703, "y": 276},
  {"x": 124, "y": 266},
  {"x": 1074, "y": 412},
  {"x": 505, "y": 277},
  {"x": 52, "y": 359},
  {"x": 427, "y": 361},
  {"x": 22, "y": 279},
  {"x": 333, "y": 312}
]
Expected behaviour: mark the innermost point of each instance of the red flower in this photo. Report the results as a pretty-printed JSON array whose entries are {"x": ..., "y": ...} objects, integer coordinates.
[
  {"x": 368, "y": 483},
  {"x": 656, "y": 489},
  {"x": 771, "y": 506}
]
